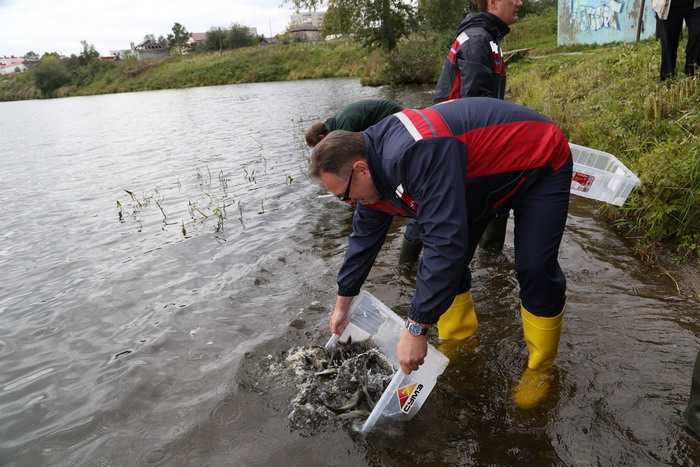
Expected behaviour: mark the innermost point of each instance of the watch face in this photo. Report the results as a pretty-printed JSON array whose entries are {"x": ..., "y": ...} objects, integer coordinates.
[{"x": 415, "y": 329}]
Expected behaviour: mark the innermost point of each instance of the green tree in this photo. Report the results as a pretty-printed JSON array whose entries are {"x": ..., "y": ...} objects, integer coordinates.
[
  {"x": 239, "y": 36},
  {"x": 88, "y": 54},
  {"x": 178, "y": 39},
  {"x": 373, "y": 22},
  {"x": 50, "y": 75},
  {"x": 31, "y": 55},
  {"x": 216, "y": 39},
  {"x": 441, "y": 15}
]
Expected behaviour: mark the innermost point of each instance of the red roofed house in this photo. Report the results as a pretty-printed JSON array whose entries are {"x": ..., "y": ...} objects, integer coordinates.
[
  {"x": 10, "y": 65},
  {"x": 197, "y": 38}
]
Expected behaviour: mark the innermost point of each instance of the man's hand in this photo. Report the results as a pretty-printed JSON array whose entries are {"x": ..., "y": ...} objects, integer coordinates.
[
  {"x": 411, "y": 351},
  {"x": 339, "y": 317}
]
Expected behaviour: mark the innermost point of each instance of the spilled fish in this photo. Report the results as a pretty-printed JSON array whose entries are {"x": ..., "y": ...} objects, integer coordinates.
[{"x": 341, "y": 385}]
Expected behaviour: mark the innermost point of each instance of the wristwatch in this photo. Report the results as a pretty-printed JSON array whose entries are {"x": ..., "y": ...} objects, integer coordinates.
[{"x": 415, "y": 329}]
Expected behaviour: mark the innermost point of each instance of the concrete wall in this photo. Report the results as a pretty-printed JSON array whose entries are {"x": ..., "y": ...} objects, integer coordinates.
[{"x": 602, "y": 21}]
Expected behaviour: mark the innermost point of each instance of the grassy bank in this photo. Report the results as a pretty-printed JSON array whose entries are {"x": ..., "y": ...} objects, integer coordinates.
[
  {"x": 245, "y": 65},
  {"x": 609, "y": 97}
]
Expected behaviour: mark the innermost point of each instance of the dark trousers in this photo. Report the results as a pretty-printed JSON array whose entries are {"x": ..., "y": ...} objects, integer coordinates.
[
  {"x": 669, "y": 32},
  {"x": 540, "y": 219}
]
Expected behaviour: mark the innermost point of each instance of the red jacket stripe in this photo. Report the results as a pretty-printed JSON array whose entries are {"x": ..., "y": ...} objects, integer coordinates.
[
  {"x": 418, "y": 121},
  {"x": 514, "y": 146},
  {"x": 435, "y": 119},
  {"x": 387, "y": 207}
]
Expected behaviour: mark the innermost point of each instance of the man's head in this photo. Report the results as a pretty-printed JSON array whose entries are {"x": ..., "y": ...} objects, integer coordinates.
[
  {"x": 339, "y": 162},
  {"x": 507, "y": 10},
  {"x": 316, "y": 132}
]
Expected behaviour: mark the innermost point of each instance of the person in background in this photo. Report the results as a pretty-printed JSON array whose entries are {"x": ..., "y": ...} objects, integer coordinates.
[
  {"x": 357, "y": 116},
  {"x": 670, "y": 15},
  {"x": 452, "y": 167},
  {"x": 474, "y": 67}
]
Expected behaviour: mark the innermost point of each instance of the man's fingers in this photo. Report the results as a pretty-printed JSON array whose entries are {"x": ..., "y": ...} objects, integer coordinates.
[{"x": 408, "y": 367}]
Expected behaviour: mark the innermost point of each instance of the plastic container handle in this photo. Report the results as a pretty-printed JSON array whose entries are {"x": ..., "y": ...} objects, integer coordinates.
[
  {"x": 383, "y": 401},
  {"x": 332, "y": 342}
]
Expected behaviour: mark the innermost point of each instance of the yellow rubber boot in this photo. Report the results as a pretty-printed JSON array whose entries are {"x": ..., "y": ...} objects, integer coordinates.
[
  {"x": 542, "y": 339},
  {"x": 459, "y": 321}
]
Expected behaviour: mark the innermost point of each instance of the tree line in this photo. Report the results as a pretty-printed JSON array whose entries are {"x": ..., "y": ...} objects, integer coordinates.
[
  {"x": 53, "y": 71},
  {"x": 381, "y": 23}
]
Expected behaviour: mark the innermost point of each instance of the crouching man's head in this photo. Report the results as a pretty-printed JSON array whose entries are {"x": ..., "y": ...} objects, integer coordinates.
[
  {"x": 316, "y": 132},
  {"x": 339, "y": 163}
]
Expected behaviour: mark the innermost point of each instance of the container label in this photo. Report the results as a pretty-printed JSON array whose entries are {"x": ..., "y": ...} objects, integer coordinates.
[
  {"x": 581, "y": 181},
  {"x": 407, "y": 396}
]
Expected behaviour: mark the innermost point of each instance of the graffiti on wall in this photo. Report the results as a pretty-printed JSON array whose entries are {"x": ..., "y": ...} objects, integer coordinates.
[
  {"x": 603, "y": 21},
  {"x": 591, "y": 18}
]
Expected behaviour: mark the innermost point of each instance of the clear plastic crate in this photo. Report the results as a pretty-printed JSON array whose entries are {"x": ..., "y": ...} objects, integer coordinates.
[
  {"x": 405, "y": 394},
  {"x": 601, "y": 176}
]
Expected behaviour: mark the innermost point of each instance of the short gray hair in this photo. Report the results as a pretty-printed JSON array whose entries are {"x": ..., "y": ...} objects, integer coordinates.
[{"x": 335, "y": 152}]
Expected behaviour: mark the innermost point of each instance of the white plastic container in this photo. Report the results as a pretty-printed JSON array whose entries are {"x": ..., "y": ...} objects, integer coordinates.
[
  {"x": 405, "y": 394},
  {"x": 601, "y": 176}
]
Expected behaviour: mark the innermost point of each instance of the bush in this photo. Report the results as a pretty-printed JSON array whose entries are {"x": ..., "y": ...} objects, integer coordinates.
[
  {"x": 417, "y": 58},
  {"x": 50, "y": 75}
]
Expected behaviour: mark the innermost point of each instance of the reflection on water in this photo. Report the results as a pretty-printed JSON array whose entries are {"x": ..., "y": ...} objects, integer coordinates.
[{"x": 135, "y": 343}]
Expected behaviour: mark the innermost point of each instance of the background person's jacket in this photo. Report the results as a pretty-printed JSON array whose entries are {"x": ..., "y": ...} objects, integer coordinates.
[
  {"x": 474, "y": 66},
  {"x": 448, "y": 166},
  {"x": 360, "y": 115}
]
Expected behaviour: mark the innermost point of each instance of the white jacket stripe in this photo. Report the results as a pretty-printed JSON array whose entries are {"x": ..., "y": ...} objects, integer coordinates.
[{"x": 409, "y": 125}]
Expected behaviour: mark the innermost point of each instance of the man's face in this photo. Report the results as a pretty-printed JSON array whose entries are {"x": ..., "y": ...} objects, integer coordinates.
[
  {"x": 358, "y": 186},
  {"x": 507, "y": 10}
]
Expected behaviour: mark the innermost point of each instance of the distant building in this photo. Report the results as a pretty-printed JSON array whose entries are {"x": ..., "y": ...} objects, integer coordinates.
[
  {"x": 196, "y": 38},
  {"x": 150, "y": 50},
  {"x": 122, "y": 54},
  {"x": 315, "y": 18},
  {"x": 9, "y": 65},
  {"x": 306, "y": 26}
]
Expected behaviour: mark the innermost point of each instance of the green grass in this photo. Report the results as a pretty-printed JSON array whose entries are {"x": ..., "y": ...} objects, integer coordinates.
[
  {"x": 280, "y": 62},
  {"x": 245, "y": 65},
  {"x": 610, "y": 98}
]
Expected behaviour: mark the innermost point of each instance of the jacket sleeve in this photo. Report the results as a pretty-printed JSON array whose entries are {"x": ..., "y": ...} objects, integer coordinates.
[
  {"x": 434, "y": 173},
  {"x": 369, "y": 228},
  {"x": 475, "y": 64}
]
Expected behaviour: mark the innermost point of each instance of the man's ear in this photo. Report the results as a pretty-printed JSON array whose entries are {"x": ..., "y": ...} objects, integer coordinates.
[{"x": 362, "y": 165}]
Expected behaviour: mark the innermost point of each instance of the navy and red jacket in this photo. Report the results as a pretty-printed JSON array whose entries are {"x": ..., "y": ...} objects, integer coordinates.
[
  {"x": 449, "y": 166},
  {"x": 474, "y": 66}
]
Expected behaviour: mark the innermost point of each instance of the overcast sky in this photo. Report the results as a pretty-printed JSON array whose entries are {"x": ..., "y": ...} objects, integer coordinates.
[{"x": 60, "y": 25}]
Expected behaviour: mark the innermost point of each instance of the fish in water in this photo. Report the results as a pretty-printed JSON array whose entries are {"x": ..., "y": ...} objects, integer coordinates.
[{"x": 343, "y": 384}]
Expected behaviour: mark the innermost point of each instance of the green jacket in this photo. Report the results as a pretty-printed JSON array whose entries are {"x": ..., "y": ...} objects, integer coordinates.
[{"x": 361, "y": 115}]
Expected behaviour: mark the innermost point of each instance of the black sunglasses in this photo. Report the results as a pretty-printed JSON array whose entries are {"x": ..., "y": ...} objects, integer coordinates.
[{"x": 346, "y": 196}]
